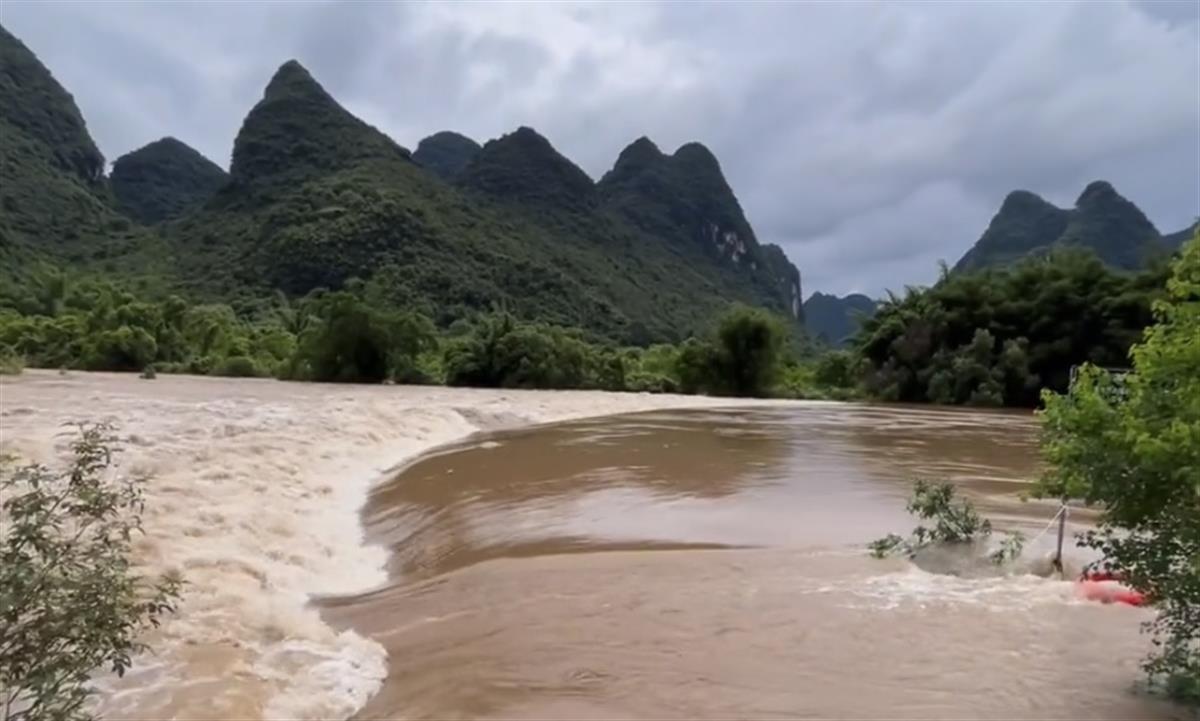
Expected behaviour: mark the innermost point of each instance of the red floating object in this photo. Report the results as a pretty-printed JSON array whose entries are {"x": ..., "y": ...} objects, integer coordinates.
[{"x": 1104, "y": 591}]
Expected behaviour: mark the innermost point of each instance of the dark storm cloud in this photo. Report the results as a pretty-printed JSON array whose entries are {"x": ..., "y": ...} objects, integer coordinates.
[{"x": 869, "y": 139}]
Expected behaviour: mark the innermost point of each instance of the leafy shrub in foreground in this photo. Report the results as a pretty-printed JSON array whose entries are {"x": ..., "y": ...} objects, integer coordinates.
[
  {"x": 1132, "y": 445},
  {"x": 70, "y": 600}
]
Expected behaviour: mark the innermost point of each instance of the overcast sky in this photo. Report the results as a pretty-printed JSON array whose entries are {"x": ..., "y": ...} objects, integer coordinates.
[{"x": 868, "y": 139}]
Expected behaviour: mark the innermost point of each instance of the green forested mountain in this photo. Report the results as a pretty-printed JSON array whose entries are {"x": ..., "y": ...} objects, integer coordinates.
[
  {"x": 38, "y": 108},
  {"x": 55, "y": 203},
  {"x": 163, "y": 180},
  {"x": 684, "y": 199},
  {"x": 298, "y": 132},
  {"x": 445, "y": 154},
  {"x": 835, "y": 319},
  {"x": 314, "y": 197},
  {"x": 1102, "y": 221}
]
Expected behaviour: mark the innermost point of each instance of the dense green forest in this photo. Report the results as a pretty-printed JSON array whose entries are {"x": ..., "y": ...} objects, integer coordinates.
[
  {"x": 356, "y": 335},
  {"x": 994, "y": 337},
  {"x": 998, "y": 336}
]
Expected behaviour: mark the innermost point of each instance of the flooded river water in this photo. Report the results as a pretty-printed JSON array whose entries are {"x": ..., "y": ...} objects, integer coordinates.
[{"x": 711, "y": 565}]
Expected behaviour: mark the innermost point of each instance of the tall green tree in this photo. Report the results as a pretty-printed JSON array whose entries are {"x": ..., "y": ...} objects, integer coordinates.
[
  {"x": 743, "y": 357},
  {"x": 348, "y": 340},
  {"x": 1131, "y": 443},
  {"x": 750, "y": 345}
]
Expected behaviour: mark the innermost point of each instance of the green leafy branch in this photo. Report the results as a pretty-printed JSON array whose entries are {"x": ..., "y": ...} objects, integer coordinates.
[{"x": 953, "y": 523}]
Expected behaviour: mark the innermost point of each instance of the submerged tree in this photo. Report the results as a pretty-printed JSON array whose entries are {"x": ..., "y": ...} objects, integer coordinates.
[
  {"x": 1132, "y": 444},
  {"x": 953, "y": 523},
  {"x": 71, "y": 602}
]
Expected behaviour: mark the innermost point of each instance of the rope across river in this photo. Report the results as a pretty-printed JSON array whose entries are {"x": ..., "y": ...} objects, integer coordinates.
[{"x": 1062, "y": 509}]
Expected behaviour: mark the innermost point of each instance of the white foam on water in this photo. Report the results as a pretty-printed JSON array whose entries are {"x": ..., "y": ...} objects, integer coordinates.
[
  {"x": 920, "y": 588},
  {"x": 254, "y": 493}
]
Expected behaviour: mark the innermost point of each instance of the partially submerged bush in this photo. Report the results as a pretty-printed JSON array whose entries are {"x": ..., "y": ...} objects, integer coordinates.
[
  {"x": 70, "y": 600},
  {"x": 953, "y": 524},
  {"x": 11, "y": 363},
  {"x": 123, "y": 349},
  {"x": 238, "y": 366},
  {"x": 640, "y": 381}
]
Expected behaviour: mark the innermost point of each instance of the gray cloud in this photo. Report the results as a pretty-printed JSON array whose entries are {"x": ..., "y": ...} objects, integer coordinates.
[{"x": 869, "y": 139}]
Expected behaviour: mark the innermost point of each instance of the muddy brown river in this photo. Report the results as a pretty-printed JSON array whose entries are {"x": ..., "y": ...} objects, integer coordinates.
[{"x": 711, "y": 565}]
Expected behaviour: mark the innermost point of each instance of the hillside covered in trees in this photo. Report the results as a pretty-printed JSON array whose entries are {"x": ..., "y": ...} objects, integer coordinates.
[
  {"x": 315, "y": 197},
  {"x": 1102, "y": 221},
  {"x": 55, "y": 202}
]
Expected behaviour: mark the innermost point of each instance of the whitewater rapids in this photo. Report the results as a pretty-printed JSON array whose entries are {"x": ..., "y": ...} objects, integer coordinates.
[{"x": 254, "y": 493}]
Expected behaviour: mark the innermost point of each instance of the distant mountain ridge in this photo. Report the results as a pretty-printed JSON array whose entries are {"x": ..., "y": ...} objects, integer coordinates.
[
  {"x": 1174, "y": 241},
  {"x": 315, "y": 196},
  {"x": 163, "y": 180},
  {"x": 446, "y": 154},
  {"x": 523, "y": 167},
  {"x": 1102, "y": 220},
  {"x": 835, "y": 319}
]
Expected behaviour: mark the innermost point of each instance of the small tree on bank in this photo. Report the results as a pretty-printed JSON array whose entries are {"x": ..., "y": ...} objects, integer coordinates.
[
  {"x": 1132, "y": 444},
  {"x": 70, "y": 600}
]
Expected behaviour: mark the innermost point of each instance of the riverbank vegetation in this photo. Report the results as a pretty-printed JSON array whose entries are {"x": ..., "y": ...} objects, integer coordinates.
[
  {"x": 995, "y": 337},
  {"x": 999, "y": 336},
  {"x": 355, "y": 335},
  {"x": 1130, "y": 442}
]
